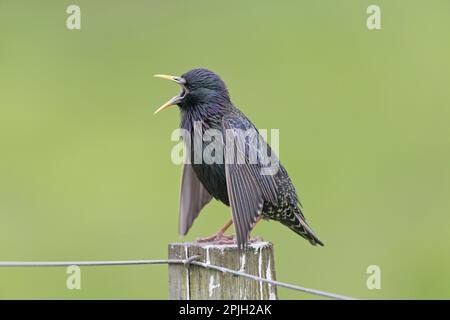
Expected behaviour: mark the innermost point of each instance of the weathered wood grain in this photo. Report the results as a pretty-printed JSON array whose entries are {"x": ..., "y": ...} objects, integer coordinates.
[{"x": 195, "y": 283}]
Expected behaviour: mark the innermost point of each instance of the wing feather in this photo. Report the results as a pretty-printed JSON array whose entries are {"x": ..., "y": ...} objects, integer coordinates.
[
  {"x": 247, "y": 187},
  {"x": 193, "y": 197}
]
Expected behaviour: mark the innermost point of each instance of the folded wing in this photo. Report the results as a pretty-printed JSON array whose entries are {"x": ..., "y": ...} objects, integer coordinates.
[{"x": 247, "y": 187}]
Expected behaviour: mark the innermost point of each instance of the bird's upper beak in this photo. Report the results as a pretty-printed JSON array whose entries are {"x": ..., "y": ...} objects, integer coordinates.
[{"x": 178, "y": 97}]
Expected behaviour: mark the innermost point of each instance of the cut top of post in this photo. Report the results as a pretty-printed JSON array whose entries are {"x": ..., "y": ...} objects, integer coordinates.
[{"x": 196, "y": 282}]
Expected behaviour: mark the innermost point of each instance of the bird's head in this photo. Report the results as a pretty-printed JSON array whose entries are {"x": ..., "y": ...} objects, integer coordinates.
[{"x": 199, "y": 87}]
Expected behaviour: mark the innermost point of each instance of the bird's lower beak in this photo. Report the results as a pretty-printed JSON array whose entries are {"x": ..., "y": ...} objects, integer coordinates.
[
  {"x": 175, "y": 99},
  {"x": 169, "y": 103}
]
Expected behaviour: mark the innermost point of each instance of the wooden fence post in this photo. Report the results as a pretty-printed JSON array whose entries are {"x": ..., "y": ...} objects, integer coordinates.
[{"x": 198, "y": 283}]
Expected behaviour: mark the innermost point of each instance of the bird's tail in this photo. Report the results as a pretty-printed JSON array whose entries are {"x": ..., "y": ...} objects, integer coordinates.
[{"x": 300, "y": 227}]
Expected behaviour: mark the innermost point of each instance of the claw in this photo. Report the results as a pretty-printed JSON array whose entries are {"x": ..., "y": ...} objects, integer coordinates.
[{"x": 219, "y": 238}]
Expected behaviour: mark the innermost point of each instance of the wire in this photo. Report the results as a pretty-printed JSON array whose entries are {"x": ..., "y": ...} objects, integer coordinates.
[
  {"x": 273, "y": 282},
  {"x": 190, "y": 261},
  {"x": 85, "y": 263}
]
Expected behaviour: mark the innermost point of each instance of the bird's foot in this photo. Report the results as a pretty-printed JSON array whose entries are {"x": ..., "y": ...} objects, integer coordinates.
[{"x": 219, "y": 238}]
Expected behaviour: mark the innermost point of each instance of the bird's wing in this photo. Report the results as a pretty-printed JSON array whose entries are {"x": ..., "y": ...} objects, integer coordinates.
[
  {"x": 193, "y": 197},
  {"x": 247, "y": 187}
]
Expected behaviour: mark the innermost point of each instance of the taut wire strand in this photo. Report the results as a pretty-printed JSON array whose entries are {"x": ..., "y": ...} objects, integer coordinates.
[{"x": 193, "y": 260}]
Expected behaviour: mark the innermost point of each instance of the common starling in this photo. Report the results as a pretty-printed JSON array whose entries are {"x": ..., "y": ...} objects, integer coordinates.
[{"x": 204, "y": 99}]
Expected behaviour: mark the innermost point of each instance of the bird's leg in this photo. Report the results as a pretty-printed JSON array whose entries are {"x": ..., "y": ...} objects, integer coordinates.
[{"x": 219, "y": 236}]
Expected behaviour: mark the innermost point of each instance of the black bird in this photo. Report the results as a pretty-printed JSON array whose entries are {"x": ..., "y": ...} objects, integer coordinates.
[{"x": 204, "y": 99}]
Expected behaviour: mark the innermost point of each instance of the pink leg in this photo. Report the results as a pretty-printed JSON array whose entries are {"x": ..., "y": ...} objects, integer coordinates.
[{"x": 219, "y": 236}]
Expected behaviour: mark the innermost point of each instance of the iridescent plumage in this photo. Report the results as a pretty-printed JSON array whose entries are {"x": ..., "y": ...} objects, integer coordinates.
[{"x": 251, "y": 195}]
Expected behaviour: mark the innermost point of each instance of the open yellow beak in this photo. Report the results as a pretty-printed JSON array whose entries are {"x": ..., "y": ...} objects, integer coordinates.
[
  {"x": 175, "y": 99},
  {"x": 169, "y": 103}
]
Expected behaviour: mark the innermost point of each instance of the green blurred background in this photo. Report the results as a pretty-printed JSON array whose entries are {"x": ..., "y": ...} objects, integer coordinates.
[{"x": 85, "y": 170}]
